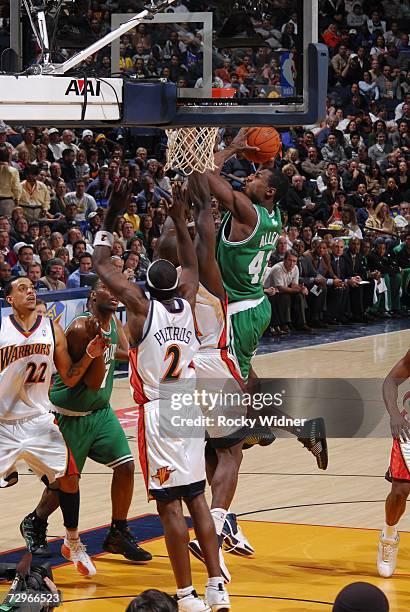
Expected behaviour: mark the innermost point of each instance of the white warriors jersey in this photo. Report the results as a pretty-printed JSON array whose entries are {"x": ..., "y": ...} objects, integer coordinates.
[
  {"x": 211, "y": 314},
  {"x": 26, "y": 365},
  {"x": 164, "y": 356}
]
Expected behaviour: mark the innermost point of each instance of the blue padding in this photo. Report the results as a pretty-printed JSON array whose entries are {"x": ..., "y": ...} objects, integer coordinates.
[
  {"x": 64, "y": 295},
  {"x": 149, "y": 103}
]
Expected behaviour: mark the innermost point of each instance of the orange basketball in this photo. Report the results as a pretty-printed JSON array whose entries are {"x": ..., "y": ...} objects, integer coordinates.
[{"x": 267, "y": 139}]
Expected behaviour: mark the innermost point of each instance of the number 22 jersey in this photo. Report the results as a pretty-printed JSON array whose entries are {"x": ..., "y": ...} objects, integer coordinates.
[{"x": 26, "y": 365}]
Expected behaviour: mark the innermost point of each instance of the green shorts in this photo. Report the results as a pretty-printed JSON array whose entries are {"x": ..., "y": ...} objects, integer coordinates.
[
  {"x": 98, "y": 436},
  {"x": 247, "y": 328}
]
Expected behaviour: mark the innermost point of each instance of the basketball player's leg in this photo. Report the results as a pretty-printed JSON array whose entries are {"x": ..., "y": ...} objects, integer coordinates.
[
  {"x": 399, "y": 476},
  {"x": 110, "y": 447},
  {"x": 248, "y": 327},
  {"x": 48, "y": 456},
  {"x": 204, "y": 527}
]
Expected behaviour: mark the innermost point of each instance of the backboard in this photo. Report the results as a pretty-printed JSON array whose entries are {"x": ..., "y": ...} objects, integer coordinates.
[
  {"x": 181, "y": 63},
  {"x": 233, "y": 63}
]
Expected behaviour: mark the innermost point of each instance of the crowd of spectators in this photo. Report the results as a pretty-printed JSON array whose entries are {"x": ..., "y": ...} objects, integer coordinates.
[{"x": 344, "y": 253}]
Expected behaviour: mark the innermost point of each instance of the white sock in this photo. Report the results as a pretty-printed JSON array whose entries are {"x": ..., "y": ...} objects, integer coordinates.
[
  {"x": 219, "y": 516},
  {"x": 215, "y": 581},
  {"x": 390, "y": 531},
  {"x": 181, "y": 593}
]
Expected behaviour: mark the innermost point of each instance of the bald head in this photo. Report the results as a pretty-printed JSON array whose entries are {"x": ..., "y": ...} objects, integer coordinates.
[{"x": 166, "y": 247}]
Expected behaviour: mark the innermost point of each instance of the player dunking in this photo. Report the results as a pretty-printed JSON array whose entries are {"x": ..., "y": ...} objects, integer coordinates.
[
  {"x": 399, "y": 470},
  {"x": 214, "y": 363},
  {"x": 163, "y": 344},
  {"x": 248, "y": 234},
  {"x": 91, "y": 428},
  {"x": 29, "y": 347}
]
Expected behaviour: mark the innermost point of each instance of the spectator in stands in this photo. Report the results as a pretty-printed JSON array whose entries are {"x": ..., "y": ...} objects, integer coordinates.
[
  {"x": 131, "y": 215},
  {"x": 379, "y": 151},
  {"x": 289, "y": 301},
  {"x": 10, "y": 187},
  {"x": 55, "y": 272},
  {"x": 332, "y": 151},
  {"x": 25, "y": 254},
  {"x": 85, "y": 266},
  {"x": 5, "y": 274},
  {"x": 34, "y": 273},
  {"x": 29, "y": 137},
  {"x": 35, "y": 197},
  {"x": 6, "y": 251},
  {"x": 85, "y": 202},
  {"x": 100, "y": 188}
]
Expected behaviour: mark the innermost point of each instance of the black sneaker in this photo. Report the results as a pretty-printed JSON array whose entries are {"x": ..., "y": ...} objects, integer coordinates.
[
  {"x": 120, "y": 542},
  {"x": 34, "y": 531},
  {"x": 313, "y": 437}
]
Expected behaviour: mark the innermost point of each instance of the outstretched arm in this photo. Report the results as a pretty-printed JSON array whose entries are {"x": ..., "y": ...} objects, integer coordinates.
[
  {"x": 237, "y": 203},
  {"x": 200, "y": 196},
  {"x": 188, "y": 280},
  {"x": 400, "y": 427},
  {"x": 130, "y": 294}
]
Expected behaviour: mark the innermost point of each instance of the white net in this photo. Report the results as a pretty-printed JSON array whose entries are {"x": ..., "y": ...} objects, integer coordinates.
[{"x": 191, "y": 149}]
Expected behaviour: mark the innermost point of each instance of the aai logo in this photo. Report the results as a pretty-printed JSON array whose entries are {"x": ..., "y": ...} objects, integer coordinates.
[{"x": 79, "y": 87}]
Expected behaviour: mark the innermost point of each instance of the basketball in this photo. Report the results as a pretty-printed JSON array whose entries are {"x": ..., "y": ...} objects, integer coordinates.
[{"x": 267, "y": 139}]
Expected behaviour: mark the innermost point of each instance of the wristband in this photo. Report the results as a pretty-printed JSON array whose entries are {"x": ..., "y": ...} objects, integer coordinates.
[
  {"x": 87, "y": 353},
  {"x": 103, "y": 238}
]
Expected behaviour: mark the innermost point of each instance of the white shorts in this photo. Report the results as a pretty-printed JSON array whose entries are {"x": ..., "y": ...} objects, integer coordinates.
[
  {"x": 39, "y": 443},
  {"x": 218, "y": 373},
  {"x": 173, "y": 467}
]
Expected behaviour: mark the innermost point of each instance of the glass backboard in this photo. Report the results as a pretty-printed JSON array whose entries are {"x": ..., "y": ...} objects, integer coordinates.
[{"x": 231, "y": 61}]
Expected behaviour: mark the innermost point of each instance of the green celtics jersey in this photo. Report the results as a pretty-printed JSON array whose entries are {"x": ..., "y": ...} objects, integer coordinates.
[
  {"x": 80, "y": 398},
  {"x": 243, "y": 263}
]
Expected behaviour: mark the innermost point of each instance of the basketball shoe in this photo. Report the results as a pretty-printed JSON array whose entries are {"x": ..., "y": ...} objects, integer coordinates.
[
  {"x": 387, "y": 555},
  {"x": 75, "y": 551},
  {"x": 197, "y": 552},
  {"x": 122, "y": 542},
  {"x": 313, "y": 437},
  {"x": 217, "y": 598},
  {"x": 234, "y": 540},
  {"x": 192, "y": 603},
  {"x": 34, "y": 531},
  {"x": 9, "y": 480}
]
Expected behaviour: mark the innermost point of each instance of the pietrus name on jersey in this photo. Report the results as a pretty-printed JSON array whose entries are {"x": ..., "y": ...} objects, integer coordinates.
[{"x": 173, "y": 333}]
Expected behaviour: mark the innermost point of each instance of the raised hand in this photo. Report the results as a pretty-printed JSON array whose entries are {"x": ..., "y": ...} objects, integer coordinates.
[
  {"x": 97, "y": 346},
  {"x": 240, "y": 142},
  {"x": 120, "y": 195},
  {"x": 176, "y": 209}
]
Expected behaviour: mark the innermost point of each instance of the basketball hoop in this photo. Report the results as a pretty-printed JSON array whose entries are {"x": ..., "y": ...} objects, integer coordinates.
[{"x": 191, "y": 149}]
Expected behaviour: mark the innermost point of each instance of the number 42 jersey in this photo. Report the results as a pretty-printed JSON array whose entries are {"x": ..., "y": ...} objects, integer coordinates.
[
  {"x": 26, "y": 366},
  {"x": 243, "y": 263},
  {"x": 162, "y": 363}
]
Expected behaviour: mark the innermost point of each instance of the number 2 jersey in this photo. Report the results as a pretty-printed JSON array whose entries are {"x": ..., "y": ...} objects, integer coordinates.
[
  {"x": 162, "y": 362},
  {"x": 82, "y": 399},
  {"x": 243, "y": 263},
  {"x": 26, "y": 365}
]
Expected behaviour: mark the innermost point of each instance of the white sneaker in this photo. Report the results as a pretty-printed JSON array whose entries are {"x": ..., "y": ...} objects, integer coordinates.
[
  {"x": 197, "y": 552},
  {"x": 235, "y": 540},
  {"x": 387, "y": 555},
  {"x": 192, "y": 603},
  {"x": 75, "y": 551},
  {"x": 217, "y": 598}
]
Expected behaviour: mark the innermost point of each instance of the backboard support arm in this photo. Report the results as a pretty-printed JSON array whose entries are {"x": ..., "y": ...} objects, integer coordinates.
[{"x": 61, "y": 69}]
